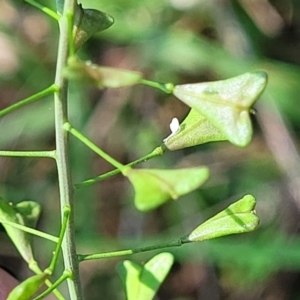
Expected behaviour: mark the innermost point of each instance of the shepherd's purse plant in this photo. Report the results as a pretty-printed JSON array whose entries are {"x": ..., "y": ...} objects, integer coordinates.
[{"x": 219, "y": 111}]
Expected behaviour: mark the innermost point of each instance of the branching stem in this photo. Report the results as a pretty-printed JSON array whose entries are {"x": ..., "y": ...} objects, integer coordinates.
[{"x": 62, "y": 153}]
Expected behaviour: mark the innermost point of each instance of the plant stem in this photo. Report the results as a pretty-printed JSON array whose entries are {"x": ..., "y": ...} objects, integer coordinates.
[
  {"x": 62, "y": 154},
  {"x": 45, "y": 9},
  {"x": 35, "y": 154},
  {"x": 32, "y": 231},
  {"x": 94, "y": 147},
  {"x": 175, "y": 243},
  {"x": 156, "y": 152},
  {"x": 36, "y": 269},
  {"x": 165, "y": 87},
  {"x": 57, "y": 283},
  {"x": 60, "y": 239},
  {"x": 48, "y": 91}
]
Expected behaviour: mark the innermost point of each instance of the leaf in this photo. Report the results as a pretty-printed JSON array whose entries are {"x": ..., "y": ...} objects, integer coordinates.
[
  {"x": 26, "y": 289},
  {"x": 142, "y": 283},
  {"x": 226, "y": 104},
  {"x": 238, "y": 217},
  {"x": 153, "y": 187},
  {"x": 102, "y": 77},
  {"x": 87, "y": 22},
  {"x": 193, "y": 131},
  {"x": 12, "y": 214}
]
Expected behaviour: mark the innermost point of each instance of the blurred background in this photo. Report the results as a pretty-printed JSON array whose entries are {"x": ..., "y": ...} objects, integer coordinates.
[{"x": 179, "y": 41}]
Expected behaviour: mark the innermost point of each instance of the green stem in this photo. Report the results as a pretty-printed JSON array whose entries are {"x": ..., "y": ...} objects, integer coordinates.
[
  {"x": 60, "y": 239},
  {"x": 62, "y": 153},
  {"x": 36, "y": 269},
  {"x": 35, "y": 154},
  {"x": 45, "y": 9},
  {"x": 165, "y": 87},
  {"x": 48, "y": 91},
  {"x": 175, "y": 243},
  {"x": 57, "y": 283},
  {"x": 94, "y": 147},
  {"x": 156, "y": 152},
  {"x": 31, "y": 231},
  {"x": 70, "y": 18}
]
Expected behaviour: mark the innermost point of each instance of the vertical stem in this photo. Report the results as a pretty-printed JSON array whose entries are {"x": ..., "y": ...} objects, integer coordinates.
[{"x": 62, "y": 154}]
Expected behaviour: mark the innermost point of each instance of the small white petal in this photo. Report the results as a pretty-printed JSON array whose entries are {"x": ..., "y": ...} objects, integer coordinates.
[{"x": 174, "y": 125}]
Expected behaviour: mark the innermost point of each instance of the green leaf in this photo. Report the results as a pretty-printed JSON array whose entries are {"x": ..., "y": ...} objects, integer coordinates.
[
  {"x": 226, "y": 104},
  {"x": 153, "y": 187},
  {"x": 102, "y": 77},
  {"x": 142, "y": 283},
  {"x": 26, "y": 289},
  {"x": 238, "y": 217},
  {"x": 87, "y": 22},
  {"x": 19, "y": 215},
  {"x": 194, "y": 130}
]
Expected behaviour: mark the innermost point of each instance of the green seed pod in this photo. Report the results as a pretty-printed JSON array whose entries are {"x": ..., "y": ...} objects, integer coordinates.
[
  {"x": 226, "y": 103},
  {"x": 20, "y": 238},
  {"x": 194, "y": 130},
  {"x": 26, "y": 289},
  {"x": 239, "y": 217},
  {"x": 87, "y": 22},
  {"x": 102, "y": 77},
  {"x": 153, "y": 187}
]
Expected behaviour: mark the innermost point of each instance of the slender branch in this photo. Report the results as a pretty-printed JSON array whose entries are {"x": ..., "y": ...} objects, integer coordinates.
[
  {"x": 165, "y": 87},
  {"x": 33, "y": 231},
  {"x": 57, "y": 283},
  {"x": 94, "y": 147},
  {"x": 44, "y": 9},
  {"x": 156, "y": 152},
  {"x": 34, "y": 154},
  {"x": 60, "y": 239},
  {"x": 48, "y": 91},
  {"x": 62, "y": 153},
  {"x": 175, "y": 243},
  {"x": 36, "y": 269}
]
